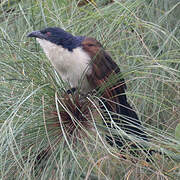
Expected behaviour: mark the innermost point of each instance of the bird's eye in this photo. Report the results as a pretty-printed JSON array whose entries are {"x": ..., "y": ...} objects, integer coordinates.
[{"x": 48, "y": 33}]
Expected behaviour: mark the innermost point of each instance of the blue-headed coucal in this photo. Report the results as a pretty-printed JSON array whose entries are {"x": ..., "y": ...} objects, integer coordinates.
[{"x": 84, "y": 64}]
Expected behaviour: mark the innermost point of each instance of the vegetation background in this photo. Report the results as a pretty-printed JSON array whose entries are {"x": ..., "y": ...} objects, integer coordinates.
[{"x": 143, "y": 37}]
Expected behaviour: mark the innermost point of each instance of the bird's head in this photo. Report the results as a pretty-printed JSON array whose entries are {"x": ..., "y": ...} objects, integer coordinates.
[
  {"x": 58, "y": 36},
  {"x": 70, "y": 55}
]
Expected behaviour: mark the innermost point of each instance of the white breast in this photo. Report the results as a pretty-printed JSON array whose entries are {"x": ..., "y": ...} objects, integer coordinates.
[{"x": 71, "y": 66}]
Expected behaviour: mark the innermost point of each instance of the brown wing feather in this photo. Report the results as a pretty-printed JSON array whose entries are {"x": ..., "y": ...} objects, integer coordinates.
[
  {"x": 102, "y": 65},
  {"x": 113, "y": 97}
]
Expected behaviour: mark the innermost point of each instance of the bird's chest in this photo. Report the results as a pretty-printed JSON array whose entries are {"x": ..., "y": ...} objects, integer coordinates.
[{"x": 72, "y": 66}]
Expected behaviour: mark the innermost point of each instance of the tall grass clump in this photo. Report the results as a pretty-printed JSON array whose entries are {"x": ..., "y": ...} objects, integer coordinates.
[{"x": 47, "y": 134}]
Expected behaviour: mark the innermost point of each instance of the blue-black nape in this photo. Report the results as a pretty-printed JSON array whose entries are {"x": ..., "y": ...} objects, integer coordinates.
[{"x": 60, "y": 37}]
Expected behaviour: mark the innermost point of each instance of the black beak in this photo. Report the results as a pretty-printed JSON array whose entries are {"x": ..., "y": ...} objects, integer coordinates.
[{"x": 37, "y": 34}]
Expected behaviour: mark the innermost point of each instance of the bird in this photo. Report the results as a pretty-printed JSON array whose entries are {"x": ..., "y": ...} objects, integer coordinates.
[{"x": 84, "y": 63}]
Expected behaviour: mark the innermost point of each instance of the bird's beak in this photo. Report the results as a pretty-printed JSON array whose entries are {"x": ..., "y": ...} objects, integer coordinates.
[{"x": 36, "y": 34}]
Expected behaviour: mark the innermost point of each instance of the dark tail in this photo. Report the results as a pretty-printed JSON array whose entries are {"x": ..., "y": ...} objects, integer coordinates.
[{"x": 124, "y": 117}]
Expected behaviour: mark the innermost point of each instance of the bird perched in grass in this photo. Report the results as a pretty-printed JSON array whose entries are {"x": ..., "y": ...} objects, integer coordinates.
[{"x": 85, "y": 65}]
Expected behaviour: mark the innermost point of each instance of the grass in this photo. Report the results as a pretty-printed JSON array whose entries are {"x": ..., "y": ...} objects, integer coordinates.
[{"x": 143, "y": 39}]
